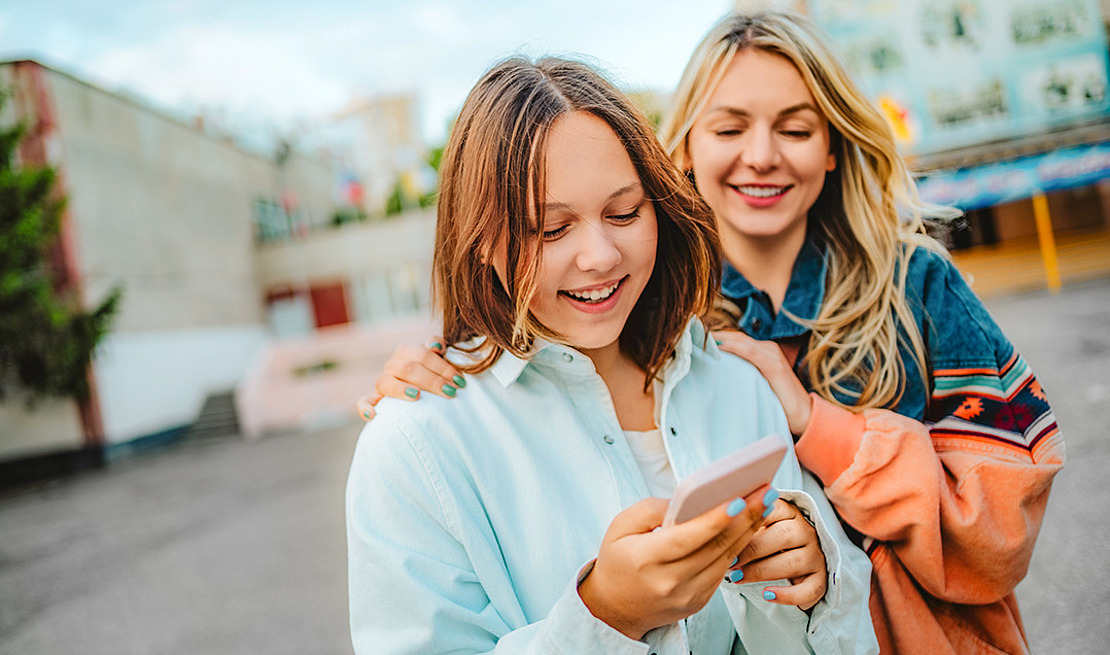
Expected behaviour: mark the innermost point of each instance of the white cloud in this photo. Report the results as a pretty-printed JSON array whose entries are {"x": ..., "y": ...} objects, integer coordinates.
[
  {"x": 216, "y": 65},
  {"x": 284, "y": 60}
]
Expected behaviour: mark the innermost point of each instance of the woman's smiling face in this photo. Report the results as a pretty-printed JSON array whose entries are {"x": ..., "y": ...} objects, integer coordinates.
[
  {"x": 599, "y": 235},
  {"x": 760, "y": 150}
]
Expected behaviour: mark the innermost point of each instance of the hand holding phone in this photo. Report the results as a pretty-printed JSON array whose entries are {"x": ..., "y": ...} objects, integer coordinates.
[{"x": 733, "y": 476}]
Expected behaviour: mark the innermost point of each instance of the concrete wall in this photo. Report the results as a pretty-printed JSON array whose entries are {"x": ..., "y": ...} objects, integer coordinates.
[
  {"x": 165, "y": 210},
  {"x": 158, "y": 379},
  {"x": 51, "y": 425}
]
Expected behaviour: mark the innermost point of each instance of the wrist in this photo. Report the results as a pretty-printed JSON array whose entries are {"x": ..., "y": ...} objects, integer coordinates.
[
  {"x": 589, "y": 592},
  {"x": 802, "y": 417}
]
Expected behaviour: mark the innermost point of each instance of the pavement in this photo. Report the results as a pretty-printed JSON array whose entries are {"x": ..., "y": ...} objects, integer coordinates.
[{"x": 233, "y": 546}]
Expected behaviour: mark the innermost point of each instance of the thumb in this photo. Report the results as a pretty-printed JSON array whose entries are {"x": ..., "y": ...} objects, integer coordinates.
[{"x": 640, "y": 517}]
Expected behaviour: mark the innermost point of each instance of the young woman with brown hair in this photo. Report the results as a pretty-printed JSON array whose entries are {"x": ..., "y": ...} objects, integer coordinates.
[{"x": 571, "y": 261}]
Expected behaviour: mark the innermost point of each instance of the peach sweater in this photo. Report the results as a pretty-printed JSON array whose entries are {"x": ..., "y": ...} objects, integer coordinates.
[{"x": 948, "y": 521}]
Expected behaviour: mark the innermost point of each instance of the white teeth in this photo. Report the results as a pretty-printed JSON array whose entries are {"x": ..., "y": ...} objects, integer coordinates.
[
  {"x": 761, "y": 191},
  {"x": 595, "y": 295}
]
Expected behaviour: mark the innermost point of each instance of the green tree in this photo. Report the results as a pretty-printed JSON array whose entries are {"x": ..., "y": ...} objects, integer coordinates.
[{"x": 46, "y": 338}]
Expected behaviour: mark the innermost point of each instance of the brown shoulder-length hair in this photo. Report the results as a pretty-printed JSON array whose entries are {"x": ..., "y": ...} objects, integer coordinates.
[{"x": 492, "y": 195}]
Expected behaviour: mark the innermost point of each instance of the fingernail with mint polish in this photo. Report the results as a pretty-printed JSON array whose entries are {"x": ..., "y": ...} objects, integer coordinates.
[
  {"x": 735, "y": 576},
  {"x": 769, "y": 499},
  {"x": 435, "y": 345},
  {"x": 459, "y": 381},
  {"x": 449, "y": 390},
  {"x": 411, "y": 392},
  {"x": 734, "y": 562},
  {"x": 736, "y": 506},
  {"x": 769, "y": 595}
]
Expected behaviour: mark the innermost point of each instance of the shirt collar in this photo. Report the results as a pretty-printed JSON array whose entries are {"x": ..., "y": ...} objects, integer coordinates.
[
  {"x": 508, "y": 367},
  {"x": 804, "y": 294}
]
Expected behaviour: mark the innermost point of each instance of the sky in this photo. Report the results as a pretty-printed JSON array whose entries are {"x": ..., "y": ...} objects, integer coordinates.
[{"x": 274, "y": 64}]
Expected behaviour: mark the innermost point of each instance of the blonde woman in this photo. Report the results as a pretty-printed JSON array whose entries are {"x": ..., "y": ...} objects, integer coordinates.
[
  {"x": 933, "y": 439},
  {"x": 570, "y": 261}
]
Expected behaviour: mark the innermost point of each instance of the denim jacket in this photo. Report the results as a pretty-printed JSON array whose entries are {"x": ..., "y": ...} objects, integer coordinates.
[{"x": 470, "y": 520}]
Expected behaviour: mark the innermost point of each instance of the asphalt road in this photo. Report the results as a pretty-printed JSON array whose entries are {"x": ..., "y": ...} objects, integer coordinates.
[{"x": 230, "y": 546}]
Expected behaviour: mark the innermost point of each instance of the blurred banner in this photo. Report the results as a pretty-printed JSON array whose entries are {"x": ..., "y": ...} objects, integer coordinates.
[
  {"x": 1006, "y": 181},
  {"x": 955, "y": 73}
]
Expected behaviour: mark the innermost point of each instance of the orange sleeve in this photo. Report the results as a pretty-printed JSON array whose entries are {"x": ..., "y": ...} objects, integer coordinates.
[{"x": 961, "y": 513}]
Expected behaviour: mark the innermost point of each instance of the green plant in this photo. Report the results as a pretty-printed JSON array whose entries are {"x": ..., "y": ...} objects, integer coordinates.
[{"x": 46, "y": 339}]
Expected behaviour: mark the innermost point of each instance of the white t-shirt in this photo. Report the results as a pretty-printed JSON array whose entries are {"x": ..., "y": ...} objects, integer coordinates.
[{"x": 651, "y": 456}]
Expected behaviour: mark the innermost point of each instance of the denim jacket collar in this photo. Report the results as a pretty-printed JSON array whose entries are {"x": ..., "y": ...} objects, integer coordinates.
[{"x": 803, "y": 296}]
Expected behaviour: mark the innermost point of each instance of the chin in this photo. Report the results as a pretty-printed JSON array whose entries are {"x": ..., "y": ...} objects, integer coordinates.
[{"x": 593, "y": 341}]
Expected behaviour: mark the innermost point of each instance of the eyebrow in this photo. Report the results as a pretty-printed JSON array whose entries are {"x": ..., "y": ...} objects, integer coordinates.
[
  {"x": 792, "y": 109},
  {"x": 555, "y": 206}
]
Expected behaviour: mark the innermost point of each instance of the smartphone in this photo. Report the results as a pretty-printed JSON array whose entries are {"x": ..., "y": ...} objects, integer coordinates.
[{"x": 733, "y": 476}]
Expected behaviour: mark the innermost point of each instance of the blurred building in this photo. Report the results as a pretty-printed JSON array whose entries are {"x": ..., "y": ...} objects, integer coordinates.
[
  {"x": 378, "y": 142},
  {"x": 1003, "y": 108},
  {"x": 217, "y": 248}
]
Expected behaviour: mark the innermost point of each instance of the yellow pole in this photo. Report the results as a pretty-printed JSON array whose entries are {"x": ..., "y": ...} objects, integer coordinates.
[{"x": 1047, "y": 241}]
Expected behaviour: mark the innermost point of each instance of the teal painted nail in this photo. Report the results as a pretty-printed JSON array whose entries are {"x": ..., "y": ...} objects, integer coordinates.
[
  {"x": 717, "y": 341},
  {"x": 411, "y": 392},
  {"x": 435, "y": 345},
  {"x": 449, "y": 390},
  {"x": 769, "y": 595},
  {"x": 734, "y": 562},
  {"x": 459, "y": 381},
  {"x": 769, "y": 501},
  {"x": 366, "y": 415},
  {"x": 735, "y": 576},
  {"x": 736, "y": 506}
]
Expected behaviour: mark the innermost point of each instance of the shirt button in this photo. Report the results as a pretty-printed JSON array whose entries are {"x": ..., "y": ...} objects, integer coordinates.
[
  {"x": 567, "y": 357},
  {"x": 757, "y": 324},
  {"x": 608, "y": 439},
  {"x": 674, "y": 432}
]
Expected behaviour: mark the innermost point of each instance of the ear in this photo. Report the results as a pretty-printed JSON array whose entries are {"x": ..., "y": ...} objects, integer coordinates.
[{"x": 830, "y": 165}]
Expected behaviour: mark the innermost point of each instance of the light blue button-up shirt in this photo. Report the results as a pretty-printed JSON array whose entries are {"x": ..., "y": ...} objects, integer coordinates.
[{"x": 470, "y": 520}]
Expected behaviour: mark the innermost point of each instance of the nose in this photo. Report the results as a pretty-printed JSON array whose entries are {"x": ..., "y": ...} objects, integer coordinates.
[
  {"x": 597, "y": 249},
  {"x": 760, "y": 150}
]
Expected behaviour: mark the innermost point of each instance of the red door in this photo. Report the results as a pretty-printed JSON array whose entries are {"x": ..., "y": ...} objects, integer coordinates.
[{"x": 329, "y": 304}]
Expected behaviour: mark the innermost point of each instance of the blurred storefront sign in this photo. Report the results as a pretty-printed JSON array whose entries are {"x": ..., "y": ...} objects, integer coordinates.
[{"x": 1006, "y": 181}]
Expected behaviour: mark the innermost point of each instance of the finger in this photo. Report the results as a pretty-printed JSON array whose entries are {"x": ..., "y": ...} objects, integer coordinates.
[
  {"x": 408, "y": 379},
  {"x": 423, "y": 370},
  {"x": 783, "y": 510},
  {"x": 639, "y": 518},
  {"x": 764, "y": 355},
  {"x": 433, "y": 361},
  {"x": 436, "y": 344},
  {"x": 391, "y": 387},
  {"x": 365, "y": 406},
  {"x": 776, "y": 537},
  {"x": 804, "y": 593},
  {"x": 786, "y": 564},
  {"x": 740, "y": 344},
  {"x": 723, "y": 531}
]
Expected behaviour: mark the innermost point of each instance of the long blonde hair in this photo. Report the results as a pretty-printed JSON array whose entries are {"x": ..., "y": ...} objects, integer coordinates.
[
  {"x": 492, "y": 192},
  {"x": 868, "y": 215}
]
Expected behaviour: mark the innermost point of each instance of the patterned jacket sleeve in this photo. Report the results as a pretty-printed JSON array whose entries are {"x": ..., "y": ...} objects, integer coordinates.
[{"x": 958, "y": 498}]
